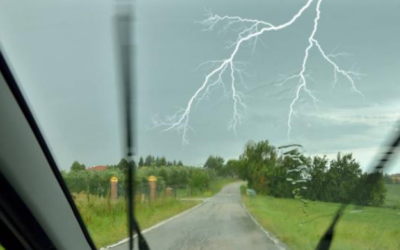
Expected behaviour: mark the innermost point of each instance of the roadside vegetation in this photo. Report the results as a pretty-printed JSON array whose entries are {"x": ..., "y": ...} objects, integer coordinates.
[
  {"x": 298, "y": 196},
  {"x": 106, "y": 218},
  {"x": 107, "y": 222},
  {"x": 286, "y": 173},
  {"x": 359, "y": 227},
  {"x": 393, "y": 195}
]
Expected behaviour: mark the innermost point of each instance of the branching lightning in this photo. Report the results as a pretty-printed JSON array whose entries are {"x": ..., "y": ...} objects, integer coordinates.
[{"x": 251, "y": 30}]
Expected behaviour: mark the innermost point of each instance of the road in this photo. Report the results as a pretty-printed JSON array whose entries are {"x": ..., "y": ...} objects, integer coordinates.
[{"x": 221, "y": 222}]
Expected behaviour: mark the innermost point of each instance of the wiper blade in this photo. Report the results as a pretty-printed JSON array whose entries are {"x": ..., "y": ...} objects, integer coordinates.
[
  {"x": 326, "y": 240},
  {"x": 124, "y": 34}
]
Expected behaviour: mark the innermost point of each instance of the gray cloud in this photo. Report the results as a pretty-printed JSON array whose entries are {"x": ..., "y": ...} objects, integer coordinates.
[{"x": 73, "y": 93}]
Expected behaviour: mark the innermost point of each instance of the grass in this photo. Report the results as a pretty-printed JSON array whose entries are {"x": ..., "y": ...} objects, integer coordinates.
[
  {"x": 366, "y": 228},
  {"x": 106, "y": 220},
  {"x": 393, "y": 196}
]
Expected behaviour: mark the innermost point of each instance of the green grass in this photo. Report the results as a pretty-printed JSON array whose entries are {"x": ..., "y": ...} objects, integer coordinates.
[
  {"x": 106, "y": 220},
  {"x": 393, "y": 196},
  {"x": 369, "y": 228}
]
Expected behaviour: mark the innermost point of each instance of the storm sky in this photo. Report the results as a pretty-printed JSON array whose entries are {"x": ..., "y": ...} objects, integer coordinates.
[{"x": 64, "y": 57}]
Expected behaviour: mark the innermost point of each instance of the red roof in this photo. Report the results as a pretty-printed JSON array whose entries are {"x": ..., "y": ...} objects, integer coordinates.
[{"x": 97, "y": 168}]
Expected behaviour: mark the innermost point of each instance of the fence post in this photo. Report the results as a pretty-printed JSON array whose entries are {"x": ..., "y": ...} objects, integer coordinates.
[
  {"x": 114, "y": 188},
  {"x": 153, "y": 187},
  {"x": 168, "y": 192}
]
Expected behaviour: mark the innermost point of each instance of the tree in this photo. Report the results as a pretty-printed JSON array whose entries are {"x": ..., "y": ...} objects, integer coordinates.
[
  {"x": 123, "y": 165},
  {"x": 149, "y": 160},
  {"x": 342, "y": 179},
  {"x": 174, "y": 163},
  {"x": 199, "y": 180},
  {"x": 259, "y": 159},
  {"x": 76, "y": 166},
  {"x": 371, "y": 190},
  {"x": 316, "y": 187},
  {"x": 141, "y": 162},
  {"x": 180, "y": 163},
  {"x": 163, "y": 161},
  {"x": 216, "y": 163},
  {"x": 232, "y": 168},
  {"x": 157, "y": 162}
]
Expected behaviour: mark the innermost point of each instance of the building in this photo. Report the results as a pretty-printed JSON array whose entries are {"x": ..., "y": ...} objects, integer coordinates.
[
  {"x": 395, "y": 178},
  {"x": 97, "y": 168}
]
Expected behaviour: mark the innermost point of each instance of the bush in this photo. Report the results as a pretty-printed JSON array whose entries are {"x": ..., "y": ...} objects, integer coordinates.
[
  {"x": 98, "y": 182},
  {"x": 289, "y": 174}
]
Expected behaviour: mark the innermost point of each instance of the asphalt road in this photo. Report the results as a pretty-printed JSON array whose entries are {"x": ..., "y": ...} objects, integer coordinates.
[{"x": 221, "y": 222}]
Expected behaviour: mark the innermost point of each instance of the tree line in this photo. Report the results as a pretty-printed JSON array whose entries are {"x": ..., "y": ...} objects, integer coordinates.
[
  {"x": 285, "y": 172},
  {"x": 98, "y": 182},
  {"x": 149, "y": 161}
]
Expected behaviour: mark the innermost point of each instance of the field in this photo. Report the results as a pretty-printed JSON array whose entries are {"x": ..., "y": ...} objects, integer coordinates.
[
  {"x": 393, "y": 196},
  {"x": 359, "y": 228}
]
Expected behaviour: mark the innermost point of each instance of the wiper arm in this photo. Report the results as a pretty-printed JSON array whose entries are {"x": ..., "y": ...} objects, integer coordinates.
[
  {"x": 326, "y": 240},
  {"x": 124, "y": 34}
]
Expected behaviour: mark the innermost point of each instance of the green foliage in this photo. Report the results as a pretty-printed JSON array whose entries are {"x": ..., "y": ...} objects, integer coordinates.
[
  {"x": 216, "y": 163},
  {"x": 371, "y": 189},
  {"x": 76, "y": 166},
  {"x": 123, "y": 165},
  {"x": 199, "y": 180},
  {"x": 98, "y": 182},
  {"x": 93, "y": 182},
  {"x": 393, "y": 196},
  {"x": 141, "y": 162},
  {"x": 158, "y": 161},
  {"x": 289, "y": 174},
  {"x": 149, "y": 161},
  {"x": 106, "y": 220},
  {"x": 358, "y": 228}
]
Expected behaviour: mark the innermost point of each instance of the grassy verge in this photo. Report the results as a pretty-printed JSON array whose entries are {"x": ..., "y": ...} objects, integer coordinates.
[
  {"x": 369, "y": 228},
  {"x": 106, "y": 220}
]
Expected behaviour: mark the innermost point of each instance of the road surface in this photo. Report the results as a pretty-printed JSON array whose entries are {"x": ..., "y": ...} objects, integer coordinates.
[{"x": 221, "y": 222}]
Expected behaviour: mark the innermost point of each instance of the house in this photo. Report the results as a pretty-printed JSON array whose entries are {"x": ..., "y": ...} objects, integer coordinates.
[
  {"x": 97, "y": 168},
  {"x": 395, "y": 178}
]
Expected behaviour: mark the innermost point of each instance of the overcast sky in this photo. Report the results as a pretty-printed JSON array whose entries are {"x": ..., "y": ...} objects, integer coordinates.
[{"x": 64, "y": 58}]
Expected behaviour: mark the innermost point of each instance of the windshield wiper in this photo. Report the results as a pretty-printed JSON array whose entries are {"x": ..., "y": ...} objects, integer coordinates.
[
  {"x": 326, "y": 240},
  {"x": 124, "y": 27}
]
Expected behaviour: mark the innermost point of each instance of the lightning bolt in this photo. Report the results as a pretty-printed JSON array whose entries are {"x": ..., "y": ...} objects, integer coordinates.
[{"x": 252, "y": 29}]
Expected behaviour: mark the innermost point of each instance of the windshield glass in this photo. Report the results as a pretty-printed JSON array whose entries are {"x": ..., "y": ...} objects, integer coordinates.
[{"x": 254, "y": 120}]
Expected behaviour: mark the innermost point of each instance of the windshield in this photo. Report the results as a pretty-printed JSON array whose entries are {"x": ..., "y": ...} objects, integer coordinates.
[{"x": 254, "y": 120}]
